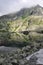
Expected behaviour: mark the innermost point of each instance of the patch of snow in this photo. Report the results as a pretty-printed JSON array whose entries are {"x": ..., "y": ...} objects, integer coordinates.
[{"x": 39, "y": 55}]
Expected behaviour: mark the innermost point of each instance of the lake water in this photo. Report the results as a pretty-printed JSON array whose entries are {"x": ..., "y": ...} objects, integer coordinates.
[{"x": 3, "y": 48}]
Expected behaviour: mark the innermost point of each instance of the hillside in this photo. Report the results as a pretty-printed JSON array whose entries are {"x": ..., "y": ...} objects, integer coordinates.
[
  {"x": 22, "y": 28},
  {"x": 22, "y": 31}
]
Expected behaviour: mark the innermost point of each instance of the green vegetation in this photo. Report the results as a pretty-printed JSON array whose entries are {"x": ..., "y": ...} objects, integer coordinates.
[
  {"x": 11, "y": 31},
  {"x": 22, "y": 28}
]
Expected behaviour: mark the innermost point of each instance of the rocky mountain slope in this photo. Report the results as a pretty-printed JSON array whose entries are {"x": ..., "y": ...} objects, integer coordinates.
[
  {"x": 36, "y": 10},
  {"x": 22, "y": 28}
]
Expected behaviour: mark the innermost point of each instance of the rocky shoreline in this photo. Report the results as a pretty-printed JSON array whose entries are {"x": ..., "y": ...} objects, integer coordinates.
[
  {"x": 16, "y": 56},
  {"x": 12, "y": 56}
]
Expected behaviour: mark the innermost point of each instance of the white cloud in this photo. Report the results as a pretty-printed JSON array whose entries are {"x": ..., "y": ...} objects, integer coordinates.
[
  {"x": 8, "y": 6},
  {"x": 25, "y": 1}
]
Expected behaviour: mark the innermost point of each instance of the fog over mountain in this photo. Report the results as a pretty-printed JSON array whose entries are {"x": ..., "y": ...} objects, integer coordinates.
[{"x": 8, "y": 6}]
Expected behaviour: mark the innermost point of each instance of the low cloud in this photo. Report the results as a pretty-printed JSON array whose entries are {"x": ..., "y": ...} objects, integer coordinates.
[{"x": 8, "y": 6}]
